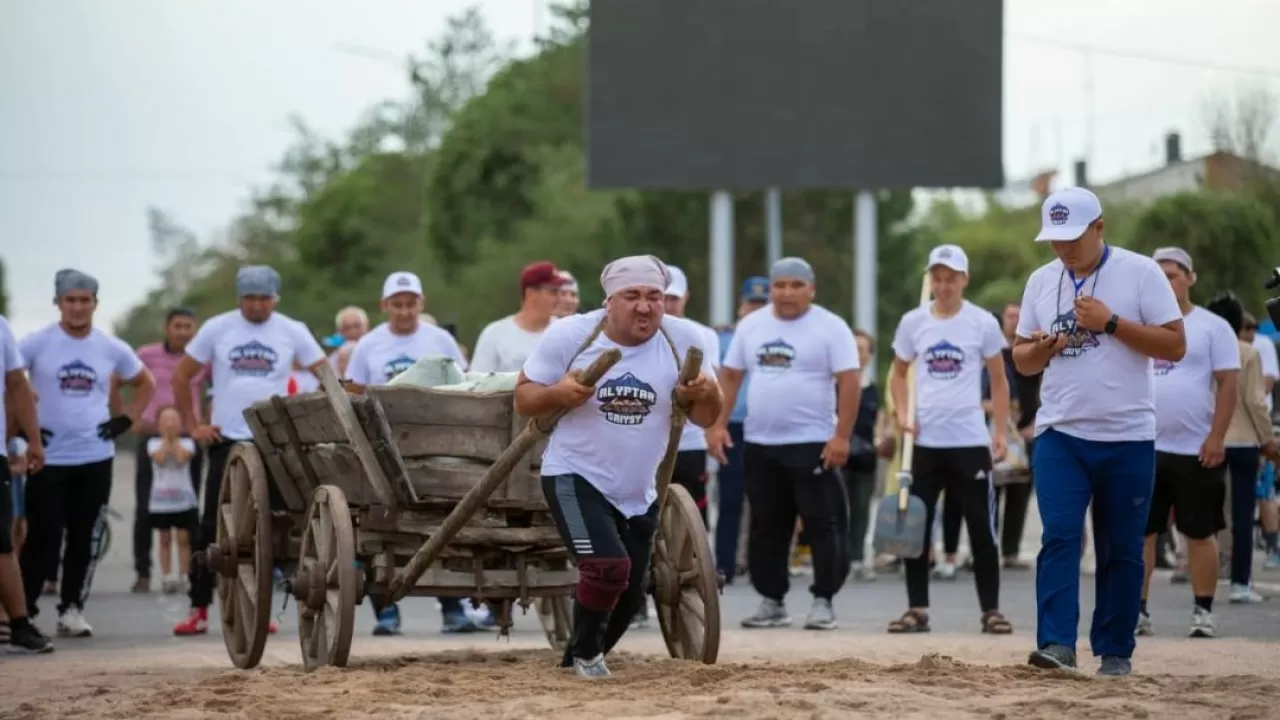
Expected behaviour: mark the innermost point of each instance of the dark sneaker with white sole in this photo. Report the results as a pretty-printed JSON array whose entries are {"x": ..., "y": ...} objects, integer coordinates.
[
  {"x": 1053, "y": 657},
  {"x": 1115, "y": 666},
  {"x": 27, "y": 640}
]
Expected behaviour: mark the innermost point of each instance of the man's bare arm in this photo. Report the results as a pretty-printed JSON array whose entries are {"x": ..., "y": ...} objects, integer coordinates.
[
  {"x": 898, "y": 384},
  {"x": 1162, "y": 342},
  {"x": 999, "y": 392},
  {"x": 143, "y": 387},
  {"x": 534, "y": 399},
  {"x": 187, "y": 369},
  {"x": 706, "y": 412},
  {"x": 730, "y": 385},
  {"x": 1224, "y": 402},
  {"x": 21, "y": 401}
]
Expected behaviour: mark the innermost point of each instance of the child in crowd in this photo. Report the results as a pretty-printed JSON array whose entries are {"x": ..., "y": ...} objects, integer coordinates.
[{"x": 173, "y": 504}]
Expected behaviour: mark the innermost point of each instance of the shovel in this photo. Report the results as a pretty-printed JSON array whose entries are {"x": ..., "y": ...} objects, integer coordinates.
[{"x": 902, "y": 519}]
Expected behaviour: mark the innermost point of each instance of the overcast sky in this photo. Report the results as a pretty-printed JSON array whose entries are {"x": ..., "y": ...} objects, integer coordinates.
[{"x": 110, "y": 106}]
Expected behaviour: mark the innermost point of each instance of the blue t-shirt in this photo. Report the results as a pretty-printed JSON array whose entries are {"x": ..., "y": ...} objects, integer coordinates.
[{"x": 740, "y": 406}]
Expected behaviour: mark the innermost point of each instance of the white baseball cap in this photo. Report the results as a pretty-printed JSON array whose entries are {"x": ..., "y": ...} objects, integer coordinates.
[
  {"x": 950, "y": 256},
  {"x": 1174, "y": 255},
  {"x": 401, "y": 282},
  {"x": 679, "y": 284},
  {"x": 1067, "y": 213}
]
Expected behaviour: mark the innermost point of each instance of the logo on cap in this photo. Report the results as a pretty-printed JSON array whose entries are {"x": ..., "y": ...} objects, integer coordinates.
[
  {"x": 1058, "y": 214},
  {"x": 944, "y": 253},
  {"x": 758, "y": 288},
  {"x": 403, "y": 281}
]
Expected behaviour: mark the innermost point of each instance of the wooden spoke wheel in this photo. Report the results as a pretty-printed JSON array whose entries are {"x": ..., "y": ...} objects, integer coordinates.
[
  {"x": 686, "y": 590},
  {"x": 241, "y": 557},
  {"x": 556, "y": 616},
  {"x": 327, "y": 585}
]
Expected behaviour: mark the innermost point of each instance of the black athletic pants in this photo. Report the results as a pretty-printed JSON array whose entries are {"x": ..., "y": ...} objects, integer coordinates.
[
  {"x": 202, "y": 580},
  {"x": 965, "y": 475},
  {"x": 142, "y": 531},
  {"x": 782, "y": 481},
  {"x": 70, "y": 498},
  {"x": 691, "y": 473},
  {"x": 602, "y": 541}
]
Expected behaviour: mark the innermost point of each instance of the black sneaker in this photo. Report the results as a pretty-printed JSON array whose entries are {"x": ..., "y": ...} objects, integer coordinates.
[
  {"x": 27, "y": 640},
  {"x": 1053, "y": 657},
  {"x": 1115, "y": 666}
]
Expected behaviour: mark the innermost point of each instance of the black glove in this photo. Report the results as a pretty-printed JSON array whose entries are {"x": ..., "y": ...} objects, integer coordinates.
[
  {"x": 115, "y": 427},
  {"x": 45, "y": 434}
]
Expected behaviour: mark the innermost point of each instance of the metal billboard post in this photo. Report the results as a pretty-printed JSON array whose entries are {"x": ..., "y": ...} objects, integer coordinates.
[
  {"x": 864, "y": 262},
  {"x": 721, "y": 259}
]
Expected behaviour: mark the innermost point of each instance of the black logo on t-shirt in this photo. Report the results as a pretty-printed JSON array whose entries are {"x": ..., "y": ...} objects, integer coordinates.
[
  {"x": 626, "y": 400},
  {"x": 253, "y": 359},
  {"x": 397, "y": 365},
  {"x": 1079, "y": 340},
  {"x": 775, "y": 356},
  {"x": 76, "y": 379},
  {"x": 943, "y": 361}
]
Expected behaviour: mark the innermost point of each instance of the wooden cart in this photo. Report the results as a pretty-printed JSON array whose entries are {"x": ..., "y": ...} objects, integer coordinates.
[{"x": 407, "y": 490}]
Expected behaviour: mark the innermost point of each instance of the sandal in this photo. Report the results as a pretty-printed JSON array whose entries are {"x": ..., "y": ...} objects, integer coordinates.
[
  {"x": 995, "y": 624},
  {"x": 912, "y": 621}
]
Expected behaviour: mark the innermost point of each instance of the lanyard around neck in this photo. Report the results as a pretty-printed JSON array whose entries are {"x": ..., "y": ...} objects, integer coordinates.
[{"x": 1079, "y": 284}]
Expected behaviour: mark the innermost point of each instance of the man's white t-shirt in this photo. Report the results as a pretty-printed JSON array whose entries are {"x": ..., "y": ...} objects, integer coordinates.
[
  {"x": 381, "y": 354},
  {"x": 171, "y": 489},
  {"x": 949, "y": 354},
  {"x": 615, "y": 440},
  {"x": 1098, "y": 388},
  {"x": 250, "y": 362},
  {"x": 1185, "y": 390},
  {"x": 10, "y": 360},
  {"x": 503, "y": 346},
  {"x": 694, "y": 437},
  {"x": 1270, "y": 363},
  {"x": 72, "y": 379},
  {"x": 792, "y": 364}
]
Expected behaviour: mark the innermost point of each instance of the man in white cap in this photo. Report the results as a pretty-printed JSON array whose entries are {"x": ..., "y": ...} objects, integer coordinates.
[
  {"x": 601, "y": 462},
  {"x": 384, "y": 352},
  {"x": 802, "y": 402},
  {"x": 569, "y": 298},
  {"x": 1195, "y": 399},
  {"x": 71, "y": 364},
  {"x": 505, "y": 344},
  {"x": 1092, "y": 320},
  {"x": 250, "y": 353},
  {"x": 950, "y": 342}
]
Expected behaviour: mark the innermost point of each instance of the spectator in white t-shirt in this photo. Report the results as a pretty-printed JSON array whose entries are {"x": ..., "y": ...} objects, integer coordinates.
[
  {"x": 71, "y": 363},
  {"x": 802, "y": 401},
  {"x": 250, "y": 353},
  {"x": 1092, "y": 320},
  {"x": 1195, "y": 398},
  {"x": 601, "y": 462},
  {"x": 395, "y": 345},
  {"x": 505, "y": 344},
  {"x": 950, "y": 342}
]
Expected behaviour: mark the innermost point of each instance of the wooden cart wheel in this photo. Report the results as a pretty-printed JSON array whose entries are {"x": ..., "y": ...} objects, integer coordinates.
[
  {"x": 556, "y": 616},
  {"x": 241, "y": 557},
  {"x": 685, "y": 587},
  {"x": 327, "y": 585}
]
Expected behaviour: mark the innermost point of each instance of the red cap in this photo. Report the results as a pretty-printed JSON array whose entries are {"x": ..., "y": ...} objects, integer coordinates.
[{"x": 540, "y": 274}]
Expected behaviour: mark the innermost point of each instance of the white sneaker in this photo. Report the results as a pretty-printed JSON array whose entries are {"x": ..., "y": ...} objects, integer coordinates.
[
  {"x": 1202, "y": 624},
  {"x": 1243, "y": 594},
  {"x": 1145, "y": 628},
  {"x": 72, "y": 624},
  {"x": 944, "y": 571}
]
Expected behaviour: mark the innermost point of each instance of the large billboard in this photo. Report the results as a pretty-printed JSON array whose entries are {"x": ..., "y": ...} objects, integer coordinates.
[{"x": 823, "y": 94}]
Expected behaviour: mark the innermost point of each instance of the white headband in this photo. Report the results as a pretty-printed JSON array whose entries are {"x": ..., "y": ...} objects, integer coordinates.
[{"x": 635, "y": 271}]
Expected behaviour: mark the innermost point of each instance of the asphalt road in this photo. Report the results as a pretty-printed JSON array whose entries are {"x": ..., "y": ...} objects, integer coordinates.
[{"x": 123, "y": 620}]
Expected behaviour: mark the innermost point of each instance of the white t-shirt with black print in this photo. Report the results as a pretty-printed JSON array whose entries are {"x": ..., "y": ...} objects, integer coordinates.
[
  {"x": 949, "y": 354},
  {"x": 1098, "y": 388},
  {"x": 791, "y": 396},
  {"x": 171, "y": 488},
  {"x": 381, "y": 354},
  {"x": 250, "y": 362},
  {"x": 694, "y": 437},
  {"x": 10, "y": 360},
  {"x": 72, "y": 379},
  {"x": 1185, "y": 390},
  {"x": 615, "y": 440},
  {"x": 503, "y": 346}
]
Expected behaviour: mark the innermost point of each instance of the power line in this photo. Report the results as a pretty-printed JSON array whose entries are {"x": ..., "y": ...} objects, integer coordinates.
[{"x": 1151, "y": 57}]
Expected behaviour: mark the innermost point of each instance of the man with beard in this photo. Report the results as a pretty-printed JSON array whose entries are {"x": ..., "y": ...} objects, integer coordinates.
[{"x": 600, "y": 465}]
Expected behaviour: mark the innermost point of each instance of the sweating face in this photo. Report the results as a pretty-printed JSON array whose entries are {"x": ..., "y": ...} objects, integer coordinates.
[
  {"x": 179, "y": 331},
  {"x": 636, "y": 312},
  {"x": 402, "y": 311},
  {"x": 257, "y": 308},
  {"x": 791, "y": 297},
  {"x": 674, "y": 305},
  {"x": 77, "y": 308},
  {"x": 1009, "y": 319},
  {"x": 1179, "y": 279},
  {"x": 946, "y": 284},
  {"x": 1082, "y": 254}
]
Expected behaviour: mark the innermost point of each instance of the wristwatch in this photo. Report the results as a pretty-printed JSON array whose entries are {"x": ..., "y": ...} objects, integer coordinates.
[{"x": 1110, "y": 328}]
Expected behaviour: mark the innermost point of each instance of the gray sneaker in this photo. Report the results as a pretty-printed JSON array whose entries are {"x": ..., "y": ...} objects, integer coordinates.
[
  {"x": 821, "y": 616},
  {"x": 1053, "y": 657},
  {"x": 1202, "y": 624},
  {"x": 1144, "y": 628},
  {"x": 861, "y": 572},
  {"x": 1244, "y": 594},
  {"x": 1115, "y": 666},
  {"x": 593, "y": 668},
  {"x": 770, "y": 615}
]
